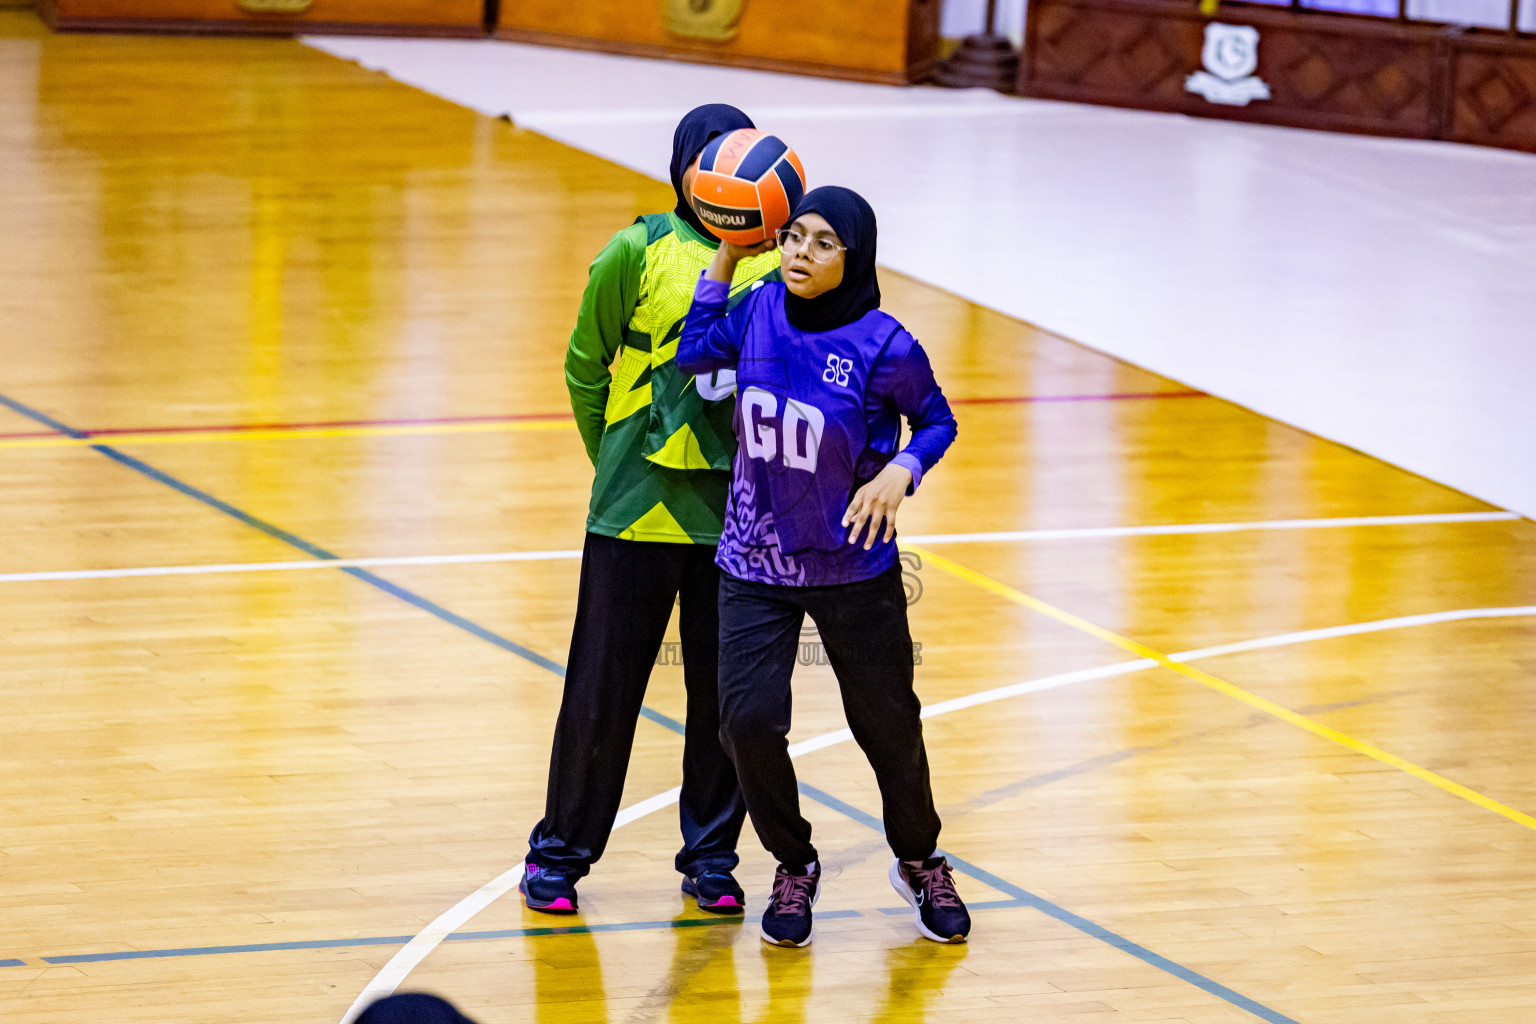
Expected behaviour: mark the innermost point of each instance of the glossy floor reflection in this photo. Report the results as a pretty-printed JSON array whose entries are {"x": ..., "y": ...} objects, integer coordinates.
[{"x": 310, "y": 312}]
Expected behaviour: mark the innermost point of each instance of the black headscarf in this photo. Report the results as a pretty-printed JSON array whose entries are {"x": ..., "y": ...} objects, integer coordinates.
[
  {"x": 694, "y": 131},
  {"x": 412, "y": 1008},
  {"x": 859, "y": 292}
]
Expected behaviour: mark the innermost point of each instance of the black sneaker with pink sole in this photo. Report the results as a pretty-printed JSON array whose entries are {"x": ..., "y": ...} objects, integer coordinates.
[
  {"x": 715, "y": 891},
  {"x": 547, "y": 890}
]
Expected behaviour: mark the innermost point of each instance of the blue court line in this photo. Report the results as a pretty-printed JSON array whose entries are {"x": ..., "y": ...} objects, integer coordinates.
[
  {"x": 970, "y": 905},
  {"x": 1065, "y": 916},
  {"x": 13, "y": 963},
  {"x": 621, "y": 926},
  {"x": 662, "y": 720},
  {"x": 400, "y": 940},
  {"x": 291, "y": 539},
  {"x": 252, "y": 947}
]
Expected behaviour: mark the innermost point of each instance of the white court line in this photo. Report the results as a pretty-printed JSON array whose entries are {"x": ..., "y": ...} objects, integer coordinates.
[
  {"x": 394, "y": 973},
  {"x": 310, "y": 563},
  {"x": 1192, "y": 528},
  {"x": 414, "y": 952},
  {"x": 981, "y": 107},
  {"x": 1009, "y": 536}
]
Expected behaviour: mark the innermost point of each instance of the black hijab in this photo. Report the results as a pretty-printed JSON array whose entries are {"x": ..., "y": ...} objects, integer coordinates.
[
  {"x": 859, "y": 292},
  {"x": 694, "y": 131},
  {"x": 412, "y": 1008}
]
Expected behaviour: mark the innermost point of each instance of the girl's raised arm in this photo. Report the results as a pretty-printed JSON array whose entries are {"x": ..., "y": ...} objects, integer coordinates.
[{"x": 711, "y": 338}]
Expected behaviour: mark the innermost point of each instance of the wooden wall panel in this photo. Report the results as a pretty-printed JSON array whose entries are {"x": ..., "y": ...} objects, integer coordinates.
[
  {"x": 1340, "y": 73},
  {"x": 877, "y": 40},
  {"x": 1335, "y": 72},
  {"x": 409, "y": 17},
  {"x": 1492, "y": 90}
]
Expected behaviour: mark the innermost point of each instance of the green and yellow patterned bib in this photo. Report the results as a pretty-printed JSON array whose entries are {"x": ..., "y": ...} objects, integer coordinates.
[{"x": 663, "y": 470}]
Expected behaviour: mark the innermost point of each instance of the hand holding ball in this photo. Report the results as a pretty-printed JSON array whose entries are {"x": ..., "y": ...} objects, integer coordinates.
[{"x": 746, "y": 183}]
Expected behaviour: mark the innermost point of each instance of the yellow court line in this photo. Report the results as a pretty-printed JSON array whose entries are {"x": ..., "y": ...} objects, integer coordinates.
[
  {"x": 1269, "y": 707},
  {"x": 286, "y": 434}
]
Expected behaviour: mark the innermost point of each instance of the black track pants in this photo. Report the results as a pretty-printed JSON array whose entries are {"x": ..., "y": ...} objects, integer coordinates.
[
  {"x": 626, "y": 597},
  {"x": 864, "y": 629}
]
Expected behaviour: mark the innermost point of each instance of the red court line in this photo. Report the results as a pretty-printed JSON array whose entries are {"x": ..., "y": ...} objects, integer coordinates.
[
  {"x": 317, "y": 425},
  {"x": 234, "y": 428},
  {"x": 1120, "y": 397}
]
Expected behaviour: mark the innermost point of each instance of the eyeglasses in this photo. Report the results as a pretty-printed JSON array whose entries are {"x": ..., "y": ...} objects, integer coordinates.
[{"x": 819, "y": 248}]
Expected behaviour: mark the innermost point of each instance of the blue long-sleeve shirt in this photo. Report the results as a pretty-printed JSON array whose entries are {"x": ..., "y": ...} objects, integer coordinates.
[{"x": 817, "y": 415}]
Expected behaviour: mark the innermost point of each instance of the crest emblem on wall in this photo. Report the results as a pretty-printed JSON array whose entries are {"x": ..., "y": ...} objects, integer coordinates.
[
  {"x": 715, "y": 20},
  {"x": 1231, "y": 56}
]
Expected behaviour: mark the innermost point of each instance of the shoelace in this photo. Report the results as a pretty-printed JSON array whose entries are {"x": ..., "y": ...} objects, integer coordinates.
[
  {"x": 939, "y": 885},
  {"x": 791, "y": 893}
]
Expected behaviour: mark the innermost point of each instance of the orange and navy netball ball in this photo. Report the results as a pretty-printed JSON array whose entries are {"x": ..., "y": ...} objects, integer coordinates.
[{"x": 746, "y": 183}]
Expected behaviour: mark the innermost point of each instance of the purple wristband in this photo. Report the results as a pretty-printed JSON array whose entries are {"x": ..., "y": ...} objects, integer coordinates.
[{"x": 710, "y": 291}]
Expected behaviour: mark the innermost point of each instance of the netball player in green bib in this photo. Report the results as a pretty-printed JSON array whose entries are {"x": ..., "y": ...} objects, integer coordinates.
[{"x": 662, "y": 452}]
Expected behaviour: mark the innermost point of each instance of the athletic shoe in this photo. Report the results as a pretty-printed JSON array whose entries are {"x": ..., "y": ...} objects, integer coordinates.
[
  {"x": 547, "y": 890},
  {"x": 716, "y": 892},
  {"x": 787, "y": 921},
  {"x": 930, "y": 889}
]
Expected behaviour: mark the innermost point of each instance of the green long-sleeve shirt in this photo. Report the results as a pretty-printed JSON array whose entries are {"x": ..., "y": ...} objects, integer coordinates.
[{"x": 662, "y": 451}]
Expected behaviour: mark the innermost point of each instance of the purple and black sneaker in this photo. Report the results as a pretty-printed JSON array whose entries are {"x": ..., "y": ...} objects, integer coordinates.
[
  {"x": 930, "y": 889},
  {"x": 787, "y": 921}
]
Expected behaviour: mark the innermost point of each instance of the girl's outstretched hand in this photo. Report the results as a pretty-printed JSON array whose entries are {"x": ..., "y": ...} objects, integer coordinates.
[{"x": 875, "y": 505}]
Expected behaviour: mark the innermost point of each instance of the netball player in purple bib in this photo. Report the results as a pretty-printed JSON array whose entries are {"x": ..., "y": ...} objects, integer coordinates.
[{"x": 823, "y": 378}]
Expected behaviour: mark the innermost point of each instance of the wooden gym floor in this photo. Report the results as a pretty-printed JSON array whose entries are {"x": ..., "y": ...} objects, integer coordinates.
[{"x": 261, "y": 309}]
